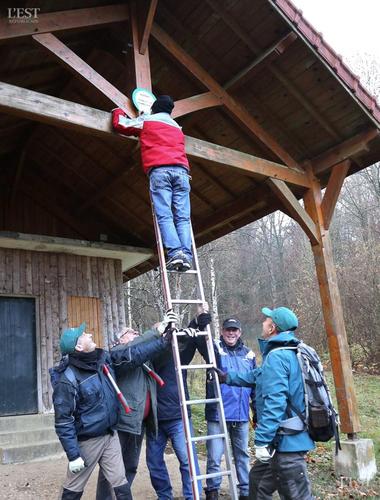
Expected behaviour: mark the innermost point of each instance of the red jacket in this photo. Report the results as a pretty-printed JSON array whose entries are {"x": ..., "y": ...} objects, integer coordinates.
[{"x": 161, "y": 138}]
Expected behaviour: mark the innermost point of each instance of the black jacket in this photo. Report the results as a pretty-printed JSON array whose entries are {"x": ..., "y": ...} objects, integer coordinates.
[{"x": 90, "y": 407}]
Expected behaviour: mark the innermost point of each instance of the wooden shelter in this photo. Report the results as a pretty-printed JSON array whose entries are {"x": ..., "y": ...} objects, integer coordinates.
[{"x": 271, "y": 115}]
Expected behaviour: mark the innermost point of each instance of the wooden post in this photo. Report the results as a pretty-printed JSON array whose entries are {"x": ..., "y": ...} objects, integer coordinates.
[
  {"x": 142, "y": 63},
  {"x": 333, "y": 314}
]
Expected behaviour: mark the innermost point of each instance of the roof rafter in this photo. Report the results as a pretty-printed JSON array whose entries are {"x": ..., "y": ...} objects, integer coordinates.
[
  {"x": 235, "y": 108},
  {"x": 148, "y": 26},
  {"x": 58, "y": 112},
  {"x": 346, "y": 149},
  {"x": 239, "y": 32},
  {"x": 65, "y": 20},
  {"x": 277, "y": 48}
]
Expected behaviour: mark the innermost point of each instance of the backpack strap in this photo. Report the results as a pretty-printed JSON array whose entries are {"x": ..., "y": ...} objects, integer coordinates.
[
  {"x": 298, "y": 423},
  {"x": 70, "y": 375}
]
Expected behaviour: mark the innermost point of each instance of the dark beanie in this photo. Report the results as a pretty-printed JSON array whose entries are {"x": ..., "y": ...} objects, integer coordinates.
[{"x": 163, "y": 104}]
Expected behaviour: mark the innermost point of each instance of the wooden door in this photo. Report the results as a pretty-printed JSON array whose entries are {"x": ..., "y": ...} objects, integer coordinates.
[
  {"x": 18, "y": 356},
  {"x": 88, "y": 309}
]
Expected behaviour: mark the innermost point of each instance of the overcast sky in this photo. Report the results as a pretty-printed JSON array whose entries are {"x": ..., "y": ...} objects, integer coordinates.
[{"x": 349, "y": 26}]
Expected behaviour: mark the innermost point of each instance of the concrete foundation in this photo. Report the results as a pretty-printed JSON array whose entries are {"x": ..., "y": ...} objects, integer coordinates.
[{"x": 356, "y": 460}]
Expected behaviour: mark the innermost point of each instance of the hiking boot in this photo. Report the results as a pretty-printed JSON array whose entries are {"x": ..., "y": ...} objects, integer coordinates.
[
  {"x": 212, "y": 495},
  {"x": 186, "y": 264},
  {"x": 174, "y": 263}
]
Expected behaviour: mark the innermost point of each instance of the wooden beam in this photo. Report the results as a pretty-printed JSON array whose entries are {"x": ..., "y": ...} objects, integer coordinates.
[
  {"x": 195, "y": 103},
  {"x": 332, "y": 192},
  {"x": 333, "y": 315},
  {"x": 141, "y": 60},
  {"x": 237, "y": 110},
  {"x": 277, "y": 48},
  {"x": 344, "y": 150},
  {"x": 54, "y": 111},
  {"x": 243, "y": 163},
  {"x": 81, "y": 69},
  {"x": 64, "y": 21},
  {"x": 148, "y": 26},
  {"x": 294, "y": 209}
]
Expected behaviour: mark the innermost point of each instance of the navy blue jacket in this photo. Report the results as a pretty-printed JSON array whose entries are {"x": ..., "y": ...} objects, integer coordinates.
[
  {"x": 90, "y": 407},
  {"x": 236, "y": 400},
  {"x": 168, "y": 406}
]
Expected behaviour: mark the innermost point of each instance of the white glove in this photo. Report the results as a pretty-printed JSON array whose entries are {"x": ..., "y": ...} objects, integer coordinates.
[
  {"x": 76, "y": 465},
  {"x": 263, "y": 454},
  {"x": 190, "y": 332},
  {"x": 170, "y": 317}
]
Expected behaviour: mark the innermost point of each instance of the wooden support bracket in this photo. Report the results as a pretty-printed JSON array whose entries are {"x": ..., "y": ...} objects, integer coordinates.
[
  {"x": 333, "y": 188},
  {"x": 81, "y": 69},
  {"x": 195, "y": 103},
  {"x": 294, "y": 209}
]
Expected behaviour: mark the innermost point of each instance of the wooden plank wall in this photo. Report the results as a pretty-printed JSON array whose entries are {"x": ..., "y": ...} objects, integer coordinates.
[{"x": 51, "y": 278}]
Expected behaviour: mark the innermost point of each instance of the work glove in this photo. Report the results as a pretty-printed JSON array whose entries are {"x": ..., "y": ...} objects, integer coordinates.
[
  {"x": 263, "y": 454},
  {"x": 76, "y": 465},
  {"x": 222, "y": 376},
  {"x": 203, "y": 320},
  {"x": 190, "y": 332},
  {"x": 170, "y": 317}
]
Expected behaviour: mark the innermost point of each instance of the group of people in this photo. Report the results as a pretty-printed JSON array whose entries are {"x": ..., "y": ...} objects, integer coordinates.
[
  {"x": 94, "y": 429},
  {"x": 88, "y": 420}
]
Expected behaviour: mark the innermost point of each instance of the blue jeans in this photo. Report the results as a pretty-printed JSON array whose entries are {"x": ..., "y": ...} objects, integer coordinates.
[
  {"x": 238, "y": 432},
  {"x": 173, "y": 430},
  {"x": 170, "y": 192}
]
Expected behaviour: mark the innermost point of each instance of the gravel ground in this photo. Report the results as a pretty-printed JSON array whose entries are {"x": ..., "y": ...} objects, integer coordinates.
[{"x": 42, "y": 480}]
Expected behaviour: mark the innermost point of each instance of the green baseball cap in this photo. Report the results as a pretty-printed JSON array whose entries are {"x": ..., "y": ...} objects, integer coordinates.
[
  {"x": 282, "y": 317},
  {"x": 69, "y": 338}
]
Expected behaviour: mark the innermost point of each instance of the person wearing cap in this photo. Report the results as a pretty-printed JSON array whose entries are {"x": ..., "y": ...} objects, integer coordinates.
[
  {"x": 140, "y": 390},
  {"x": 280, "y": 457},
  {"x": 87, "y": 409},
  {"x": 164, "y": 160},
  {"x": 230, "y": 354}
]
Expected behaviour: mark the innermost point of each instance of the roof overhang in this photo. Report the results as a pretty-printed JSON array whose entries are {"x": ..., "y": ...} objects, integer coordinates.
[{"x": 129, "y": 256}]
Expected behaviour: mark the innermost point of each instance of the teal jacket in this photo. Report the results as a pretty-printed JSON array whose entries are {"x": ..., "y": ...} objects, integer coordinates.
[{"x": 277, "y": 381}]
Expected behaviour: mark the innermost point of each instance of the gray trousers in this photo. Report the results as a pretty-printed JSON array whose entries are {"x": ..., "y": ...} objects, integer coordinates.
[
  {"x": 102, "y": 450},
  {"x": 285, "y": 473}
]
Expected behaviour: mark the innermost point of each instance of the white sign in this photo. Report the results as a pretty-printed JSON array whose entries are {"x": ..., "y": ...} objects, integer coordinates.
[{"x": 143, "y": 100}]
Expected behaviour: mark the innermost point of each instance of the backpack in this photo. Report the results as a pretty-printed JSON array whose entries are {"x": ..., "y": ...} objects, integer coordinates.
[{"x": 320, "y": 418}]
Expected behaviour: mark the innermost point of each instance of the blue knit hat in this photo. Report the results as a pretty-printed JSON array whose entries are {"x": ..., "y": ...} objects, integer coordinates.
[
  {"x": 69, "y": 338},
  {"x": 282, "y": 317}
]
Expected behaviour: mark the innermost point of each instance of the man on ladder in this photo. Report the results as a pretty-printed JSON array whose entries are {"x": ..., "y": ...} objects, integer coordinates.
[{"x": 164, "y": 161}]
